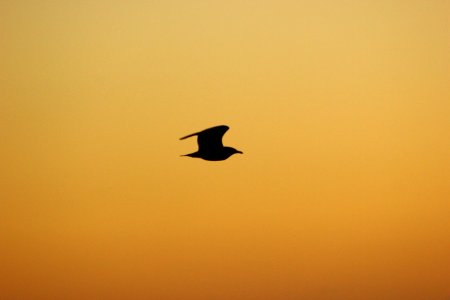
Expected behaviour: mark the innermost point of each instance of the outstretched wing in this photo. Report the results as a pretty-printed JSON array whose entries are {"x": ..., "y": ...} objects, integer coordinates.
[{"x": 210, "y": 138}]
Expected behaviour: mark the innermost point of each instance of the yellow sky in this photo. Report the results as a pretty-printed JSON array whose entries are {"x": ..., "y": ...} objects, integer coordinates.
[{"x": 342, "y": 110}]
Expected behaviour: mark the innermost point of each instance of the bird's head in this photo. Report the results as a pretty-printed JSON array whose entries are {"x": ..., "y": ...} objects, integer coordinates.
[{"x": 230, "y": 151}]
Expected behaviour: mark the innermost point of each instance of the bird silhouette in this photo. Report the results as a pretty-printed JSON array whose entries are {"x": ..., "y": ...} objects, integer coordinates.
[{"x": 210, "y": 145}]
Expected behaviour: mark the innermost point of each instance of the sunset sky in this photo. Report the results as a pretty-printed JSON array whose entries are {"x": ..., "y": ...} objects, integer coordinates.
[{"x": 342, "y": 110}]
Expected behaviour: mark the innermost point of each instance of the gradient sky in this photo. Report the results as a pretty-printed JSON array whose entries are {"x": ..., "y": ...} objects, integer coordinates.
[{"x": 342, "y": 110}]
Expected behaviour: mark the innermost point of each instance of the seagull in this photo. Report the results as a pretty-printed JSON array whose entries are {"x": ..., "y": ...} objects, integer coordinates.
[{"x": 210, "y": 145}]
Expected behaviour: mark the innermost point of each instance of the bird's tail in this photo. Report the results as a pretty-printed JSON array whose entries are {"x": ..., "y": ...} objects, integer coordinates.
[{"x": 195, "y": 154}]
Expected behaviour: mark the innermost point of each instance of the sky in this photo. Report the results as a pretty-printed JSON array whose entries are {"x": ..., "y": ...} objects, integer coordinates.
[{"x": 342, "y": 110}]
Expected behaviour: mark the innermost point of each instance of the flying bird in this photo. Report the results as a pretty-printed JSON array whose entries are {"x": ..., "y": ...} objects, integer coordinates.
[{"x": 210, "y": 145}]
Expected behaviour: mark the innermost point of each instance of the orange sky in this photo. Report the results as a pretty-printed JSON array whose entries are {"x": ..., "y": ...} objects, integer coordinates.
[{"x": 341, "y": 109}]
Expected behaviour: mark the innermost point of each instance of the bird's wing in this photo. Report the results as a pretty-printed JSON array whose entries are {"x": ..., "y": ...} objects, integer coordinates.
[{"x": 209, "y": 138}]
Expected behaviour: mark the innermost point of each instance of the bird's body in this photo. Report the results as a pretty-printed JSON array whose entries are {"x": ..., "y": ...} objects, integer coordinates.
[
  {"x": 214, "y": 155},
  {"x": 210, "y": 145}
]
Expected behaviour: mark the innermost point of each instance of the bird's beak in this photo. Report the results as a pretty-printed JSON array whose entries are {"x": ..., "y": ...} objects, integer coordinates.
[{"x": 240, "y": 152}]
